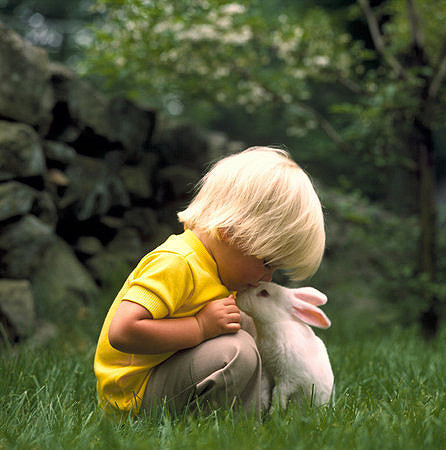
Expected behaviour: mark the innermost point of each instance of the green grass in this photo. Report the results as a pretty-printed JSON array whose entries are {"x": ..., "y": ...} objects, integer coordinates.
[{"x": 390, "y": 394}]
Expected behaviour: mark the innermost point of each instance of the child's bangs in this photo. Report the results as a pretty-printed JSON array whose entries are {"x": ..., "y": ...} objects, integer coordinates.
[{"x": 298, "y": 251}]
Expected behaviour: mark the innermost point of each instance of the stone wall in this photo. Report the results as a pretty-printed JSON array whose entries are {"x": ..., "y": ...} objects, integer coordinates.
[{"x": 88, "y": 184}]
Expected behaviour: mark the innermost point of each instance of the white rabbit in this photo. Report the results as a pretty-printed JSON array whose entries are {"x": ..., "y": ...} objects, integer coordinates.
[{"x": 295, "y": 362}]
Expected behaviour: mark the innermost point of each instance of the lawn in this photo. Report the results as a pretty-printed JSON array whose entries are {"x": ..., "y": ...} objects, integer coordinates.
[{"x": 390, "y": 394}]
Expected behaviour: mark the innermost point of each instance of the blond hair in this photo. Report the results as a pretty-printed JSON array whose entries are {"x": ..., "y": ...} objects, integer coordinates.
[{"x": 267, "y": 206}]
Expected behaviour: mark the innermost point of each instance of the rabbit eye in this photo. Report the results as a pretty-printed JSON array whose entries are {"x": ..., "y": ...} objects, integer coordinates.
[{"x": 263, "y": 293}]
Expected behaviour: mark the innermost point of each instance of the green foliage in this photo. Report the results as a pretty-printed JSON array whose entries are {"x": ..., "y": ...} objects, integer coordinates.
[
  {"x": 240, "y": 53},
  {"x": 291, "y": 65},
  {"x": 370, "y": 265},
  {"x": 431, "y": 17},
  {"x": 375, "y": 119},
  {"x": 229, "y": 52}
]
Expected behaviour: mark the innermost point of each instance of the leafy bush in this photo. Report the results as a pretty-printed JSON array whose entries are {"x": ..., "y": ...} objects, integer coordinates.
[{"x": 371, "y": 261}]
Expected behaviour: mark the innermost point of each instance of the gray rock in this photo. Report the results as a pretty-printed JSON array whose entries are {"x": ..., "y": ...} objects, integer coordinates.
[
  {"x": 171, "y": 140},
  {"x": 124, "y": 252},
  {"x": 127, "y": 245},
  {"x": 21, "y": 153},
  {"x": 56, "y": 178},
  {"x": 61, "y": 281},
  {"x": 22, "y": 244},
  {"x": 45, "y": 209},
  {"x": 111, "y": 222},
  {"x": 133, "y": 126},
  {"x": 16, "y": 199},
  {"x": 177, "y": 182},
  {"x": 136, "y": 181},
  {"x": 93, "y": 188},
  {"x": 17, "y": 308},
  {"x": 143, "y": 219},
  {"x": 119, "y": 257},
  {"x": 89, "y": 245},
  {"x": 44, "y": 332},
  {"x": 26, "y": 94},
  {"x": 150, "y": 162},
  {"x": 116, "y": 120},
  {"x": 106, "y": 267},
  {"x": 162, "y": 232},
  {"x": 59, "y": 152}
]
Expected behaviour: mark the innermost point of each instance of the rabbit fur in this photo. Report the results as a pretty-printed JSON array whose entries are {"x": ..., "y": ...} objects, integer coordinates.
[{"x": 295, "y": 362}]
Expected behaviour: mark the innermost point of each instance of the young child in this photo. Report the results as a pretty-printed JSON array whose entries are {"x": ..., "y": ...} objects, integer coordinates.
[{"x": 174, "y": 333}]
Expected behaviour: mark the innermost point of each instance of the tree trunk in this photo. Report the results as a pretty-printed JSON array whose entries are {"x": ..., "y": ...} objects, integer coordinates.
[
  {"x": 428, "y": 225},
  {"x": 424, "y": 145}
]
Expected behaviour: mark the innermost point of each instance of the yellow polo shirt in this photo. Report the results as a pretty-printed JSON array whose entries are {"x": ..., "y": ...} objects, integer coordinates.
[{"x": 175, "y": 280}]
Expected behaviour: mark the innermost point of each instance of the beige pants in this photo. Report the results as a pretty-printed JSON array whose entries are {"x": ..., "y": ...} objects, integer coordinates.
[{"x": 221, "y": 372}]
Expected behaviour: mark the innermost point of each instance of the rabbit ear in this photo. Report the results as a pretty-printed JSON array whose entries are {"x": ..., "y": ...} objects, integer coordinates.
[
  {"x": 310, "y": 314},
  {"x": 310, "y": 295}
]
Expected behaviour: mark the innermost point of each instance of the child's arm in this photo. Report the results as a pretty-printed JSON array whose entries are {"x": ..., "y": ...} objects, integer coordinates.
[{"x": 133, "y": 330}]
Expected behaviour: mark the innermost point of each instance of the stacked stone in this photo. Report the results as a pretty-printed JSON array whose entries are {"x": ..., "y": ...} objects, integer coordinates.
[{"x": 88, "y": 184}]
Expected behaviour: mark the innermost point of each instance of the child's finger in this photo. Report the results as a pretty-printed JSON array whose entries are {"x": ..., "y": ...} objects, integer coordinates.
[
  {"x": 232, "y": 309},
  {"x": 233, "y": 327},
  {"x": 234, "y": 316},
  {"x": 230, "y": 300}
]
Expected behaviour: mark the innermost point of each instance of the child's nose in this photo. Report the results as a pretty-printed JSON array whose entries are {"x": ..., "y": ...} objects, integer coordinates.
[{"x": 268, "y": 276}]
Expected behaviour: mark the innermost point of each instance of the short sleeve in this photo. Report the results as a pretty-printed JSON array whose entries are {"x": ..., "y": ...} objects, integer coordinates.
[{"x": 162, "y": 283}]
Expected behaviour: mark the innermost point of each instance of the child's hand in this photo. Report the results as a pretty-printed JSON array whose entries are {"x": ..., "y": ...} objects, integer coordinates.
[{"x": 219, "y": 317}]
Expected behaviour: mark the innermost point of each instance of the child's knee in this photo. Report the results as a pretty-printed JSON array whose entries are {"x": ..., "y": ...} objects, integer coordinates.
[
  {"x": 237, "y": 349},
  {"x": 236, "y": 380},
  {"x": 237, "y": 360},
  {"x": 247, "y": 355}
]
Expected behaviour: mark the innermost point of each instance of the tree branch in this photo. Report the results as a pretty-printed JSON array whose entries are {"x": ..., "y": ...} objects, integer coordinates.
[
  {"x": 417, "y": 35},
  {"x": 323, "y": 123},
  {"x": 329, "y": 130},
  {"x": 378, "y": 40},
  {"x": 351, "y": 85},
  {"x": 439, "y": 73}
]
